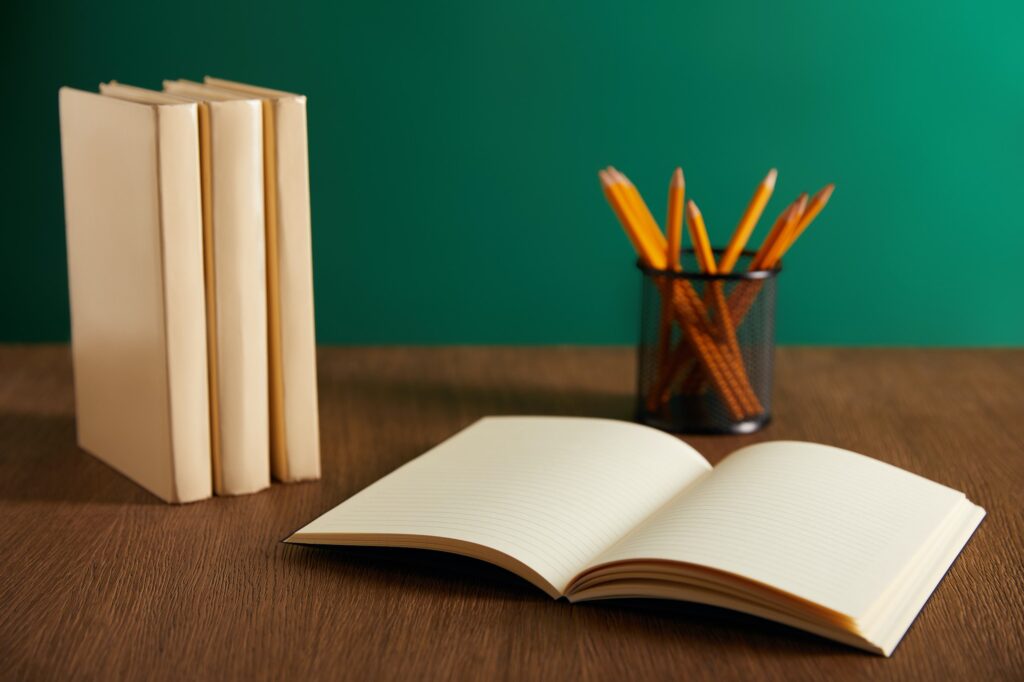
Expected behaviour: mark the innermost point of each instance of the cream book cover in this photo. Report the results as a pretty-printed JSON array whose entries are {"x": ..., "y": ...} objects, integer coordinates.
[
  {"x": 132, "y": 206},
  {"x": 294, "y": 414},
  {"x": 231, "y": 146},
  {"x": 812, "y": 536}
]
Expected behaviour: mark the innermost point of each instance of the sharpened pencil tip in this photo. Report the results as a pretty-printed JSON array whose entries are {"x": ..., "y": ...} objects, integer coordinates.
[
  {"x": 799, "y": 206},
  {"x": 619, "y": 176},
  {"x": 677, "y": 178},
  {"x": 769, "y": 180},
  {"x": 691, "y": 205}
]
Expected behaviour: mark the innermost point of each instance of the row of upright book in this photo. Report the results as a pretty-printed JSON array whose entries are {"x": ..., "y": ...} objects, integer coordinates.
[{"x": 191, "y": 287}]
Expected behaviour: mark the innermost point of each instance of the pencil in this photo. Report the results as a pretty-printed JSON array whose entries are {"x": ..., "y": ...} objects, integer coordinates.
[
  {"x": 733, "y": 388},
  {"x": 642, "y": 241},
  {"x": 743, "y": 296},
  {"x": 620, "y": 211},
  {"x": 817, "y": 203},
  {"x": 748, "y": 222},
  {"x": 674, "y": 218},
  {"x": 694, "y": 374},
  {"x": 772, "y": 236},
  {"x": 674, "y": 235},
  {"x": 641, "y": 211},
  {"x": 699, "y": 237},
  {"x": 685, "y": 308},
  {"x": 716, "y": 291},
  {"x": 741, "y": 301},
  {"x": 785, "y": 237}
]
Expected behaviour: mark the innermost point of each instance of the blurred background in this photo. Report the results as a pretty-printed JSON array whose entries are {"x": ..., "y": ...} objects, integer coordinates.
[{"x": 454, "y": 149}]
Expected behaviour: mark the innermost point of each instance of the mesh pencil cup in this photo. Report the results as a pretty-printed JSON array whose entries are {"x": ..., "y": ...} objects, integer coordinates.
[{"x": 707, "y": 347}]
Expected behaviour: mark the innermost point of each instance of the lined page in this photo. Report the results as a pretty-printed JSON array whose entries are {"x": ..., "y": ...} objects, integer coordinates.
[
  {"x": 551, "y": 492},
  {"x": 825, "y": 524}
]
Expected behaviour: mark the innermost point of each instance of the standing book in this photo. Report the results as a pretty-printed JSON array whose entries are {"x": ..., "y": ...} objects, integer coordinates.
[
  {"x": 294, "y": 416},
  {"x": 812, "y": 536},
  {"x": 133, "y": 217},
  {"x": 231, "y": 153}
]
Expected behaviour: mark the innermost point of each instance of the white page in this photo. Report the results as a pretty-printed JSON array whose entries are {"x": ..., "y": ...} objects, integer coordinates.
[
  {"x": 825, "y": 524},
  {"x": 551, "y": 492}
]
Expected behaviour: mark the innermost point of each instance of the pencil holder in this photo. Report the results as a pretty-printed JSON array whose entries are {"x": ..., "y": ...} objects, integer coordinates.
[{"x": 707, "y": 347}]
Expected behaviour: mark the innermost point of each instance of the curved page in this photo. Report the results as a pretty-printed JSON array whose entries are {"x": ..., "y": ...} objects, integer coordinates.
[
  {"x": 552, "y": 493},
  {"x": 829, "y": 526}
]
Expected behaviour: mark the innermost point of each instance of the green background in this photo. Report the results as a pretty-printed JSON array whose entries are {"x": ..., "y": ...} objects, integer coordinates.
[{"x": 454, "y": 151}]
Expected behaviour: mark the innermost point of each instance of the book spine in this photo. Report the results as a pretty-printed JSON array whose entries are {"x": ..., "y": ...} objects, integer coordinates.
[
  {"x": 184, "y": 307},
  {"x": 236, "y": 147},
  {"x": 295, "y": 281}
]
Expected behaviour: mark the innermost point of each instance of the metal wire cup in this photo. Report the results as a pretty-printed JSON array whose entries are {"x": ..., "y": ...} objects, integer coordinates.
[{"x": 707, "y": 348}]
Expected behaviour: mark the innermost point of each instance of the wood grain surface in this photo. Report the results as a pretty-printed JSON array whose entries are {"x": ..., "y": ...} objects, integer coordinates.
[{"x": 100, "y": 580}]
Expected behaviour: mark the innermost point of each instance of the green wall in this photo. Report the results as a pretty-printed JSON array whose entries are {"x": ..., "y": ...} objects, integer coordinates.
[{"x": 454, "y": 150}]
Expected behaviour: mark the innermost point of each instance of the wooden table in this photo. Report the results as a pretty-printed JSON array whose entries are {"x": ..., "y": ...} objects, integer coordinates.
[{"x": 100, "y": 580}]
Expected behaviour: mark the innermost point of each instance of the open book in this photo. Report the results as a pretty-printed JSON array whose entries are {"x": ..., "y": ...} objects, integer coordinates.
[{"x": 808, "y": 535}]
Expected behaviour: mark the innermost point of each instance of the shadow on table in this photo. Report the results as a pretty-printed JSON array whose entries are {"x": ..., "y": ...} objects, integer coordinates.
[
  {"x": 40, "y": 460},
  {"x": 433, "y": 577}
]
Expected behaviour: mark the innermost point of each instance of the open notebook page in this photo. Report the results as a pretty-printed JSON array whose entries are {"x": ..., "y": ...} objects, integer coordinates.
[
  {"x": 551, "y": 492},
  {"x": 825, "y": 524}
]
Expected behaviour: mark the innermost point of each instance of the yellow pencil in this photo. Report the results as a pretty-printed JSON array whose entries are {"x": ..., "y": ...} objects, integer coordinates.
[
  {"x": 686, "y": 305},
  {"x": 796, "y": 217},
  {"x": 785, "y": 238},
  {"x": 674, "y": 235},
  {"x": 674, "y": 219},
  {"x": 773, "y": 234},
  {"x": 646, "y": 219},
  {"x": 715, "y": 290},
  {"x": 640, "y": 239},
  {"x": 817, "y": 203},
  {"x": 699, "y": 237},
  {"x": 743, "y": 297},
  {"x": 748, "y": 222}
]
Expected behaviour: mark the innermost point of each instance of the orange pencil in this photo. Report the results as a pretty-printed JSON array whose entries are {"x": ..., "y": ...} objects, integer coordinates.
[
  {"x": 817, "y": 203},
  {"x": 785, "y": 237},
  {"x": 685, "y": 303},
  {"x": 643, "y": 242},
  {"x": 748, "y": 222},
  {"x": 773, "y": 234},
  {"x": 699, "y": 237},
  {"x": 674, "y": 218},
  {"x": 674, "y": 234},
  {"x": 620, "y": 211},
  {"x": 742, "y": 299},
  {"x": 640, "y": 210},
  {"x": 742, "y": 296},
  {"x": 716, "y": 291}
]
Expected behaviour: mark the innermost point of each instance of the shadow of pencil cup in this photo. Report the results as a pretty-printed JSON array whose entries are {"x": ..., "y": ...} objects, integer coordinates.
[{"x": 707, "y": 347}]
